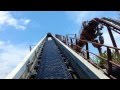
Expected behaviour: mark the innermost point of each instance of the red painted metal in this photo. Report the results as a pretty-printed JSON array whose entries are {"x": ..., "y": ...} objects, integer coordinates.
[{"x": 89, "y": 34}]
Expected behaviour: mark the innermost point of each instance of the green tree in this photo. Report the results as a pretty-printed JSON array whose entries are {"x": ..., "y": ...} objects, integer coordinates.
[{"x": 102, "y": 62}]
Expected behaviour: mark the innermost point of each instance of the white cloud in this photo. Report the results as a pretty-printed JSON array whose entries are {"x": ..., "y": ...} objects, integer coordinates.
[
  {"x": 10, "y": 56},
  {"x": 107, "y": 38},
  {"x": 79, "y": 16},
  {"x": 6, "y": 18},
  {"x": 25, "y": 21}
]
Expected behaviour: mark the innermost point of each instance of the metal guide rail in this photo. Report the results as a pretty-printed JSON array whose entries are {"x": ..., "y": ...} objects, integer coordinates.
[
  {"x": 82, "y": 67},
  {"x": 106, "y": 57},
  {"x": 52, "y": 65},
  {"x": 52, "y": 59},
  {"x": 26, "y": 66}
]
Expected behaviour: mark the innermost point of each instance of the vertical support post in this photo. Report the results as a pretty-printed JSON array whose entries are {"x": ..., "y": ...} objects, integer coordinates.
[
  {"x": 30, "y": 48},
  {"x": 112, "y": 38},
  {"x": 75, "y": 39},
  {"x": 87, "y": 48},
  {"x": 109, "y": 58},
  {"x": 64, "y": 40},
  {"x": 67, "y": 40},
  {"x": 71, "y": 42},
  {"x": 100, "y": 50}
]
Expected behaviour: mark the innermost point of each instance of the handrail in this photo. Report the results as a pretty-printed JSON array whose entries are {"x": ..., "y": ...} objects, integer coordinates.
[
  {"x": 78, "y": 62},
  {"x": 106, "y": 59},
  {"x": 101, "y": 44},
  {"x": 108, "y": 23},
  {"x": 113, "y": 63},
  {"x": 116, "y": 22},
  {"x": 91, "y": 52},
  {"x": 22, "y": 66}
]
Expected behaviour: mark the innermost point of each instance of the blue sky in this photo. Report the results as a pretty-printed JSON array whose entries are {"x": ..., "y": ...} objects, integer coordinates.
[
  {"x": 19, "y": 29},
  {"x": 40, "y": 23}
]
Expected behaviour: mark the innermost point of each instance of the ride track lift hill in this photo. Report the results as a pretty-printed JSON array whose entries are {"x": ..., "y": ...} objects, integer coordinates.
[{"x": 63, "y": 57}]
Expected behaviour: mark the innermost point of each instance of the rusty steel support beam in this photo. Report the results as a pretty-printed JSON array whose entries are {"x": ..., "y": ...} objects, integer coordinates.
[
  {"x": 87, "y": 48},
  {"x": 71, "y": 42},
  {"x": 64, "y": 39},
  {"x": 100, "y": 50},
  {"x": 75, "y": 39},
  {"x": 109, "y": 58},
  {"x": 112, "y": 38},
  {"x": 67, "y": 40}
]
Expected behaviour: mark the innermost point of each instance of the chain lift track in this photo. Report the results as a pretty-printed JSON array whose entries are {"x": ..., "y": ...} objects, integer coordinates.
[
  {"x": 69, "y": 57},
  {"x": 92, "y": 33}
]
